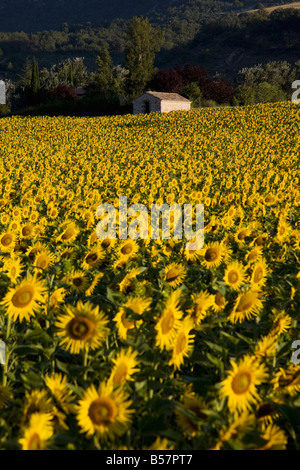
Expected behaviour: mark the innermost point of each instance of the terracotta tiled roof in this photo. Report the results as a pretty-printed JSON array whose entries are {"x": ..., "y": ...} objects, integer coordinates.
[{"x": 167, "y": 96}]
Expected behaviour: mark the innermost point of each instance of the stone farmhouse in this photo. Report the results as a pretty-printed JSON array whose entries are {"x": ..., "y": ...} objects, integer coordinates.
[{"x": 155, "y": 101}]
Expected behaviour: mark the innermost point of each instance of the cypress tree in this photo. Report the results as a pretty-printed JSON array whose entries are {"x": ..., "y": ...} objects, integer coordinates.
[
  {"x": 105, "y": 77},
  {"x": 71, "y": 75},
  {"x": 35, "y": 77},
  {"x": 140, "y": 54}
]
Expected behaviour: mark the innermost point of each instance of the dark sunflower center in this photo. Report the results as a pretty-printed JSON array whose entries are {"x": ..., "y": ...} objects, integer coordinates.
[
  {"x": 92, "y": 258},
  {"x": 6, "y": 240},
  {"x": 126, "y": 249},
  {"x": 211, "y": 255},
  {"x": 219, "y": 300},
  {"x": 105, "y": 244},
  {"x": 81, "y": 328},
  {"x": 102, "y": 411},
  {"x": 233, "y": 277},
  {"x": 264, "y": 410},
  {"x": 241, "y": 382},
  {"x": 77, "y": 281}
]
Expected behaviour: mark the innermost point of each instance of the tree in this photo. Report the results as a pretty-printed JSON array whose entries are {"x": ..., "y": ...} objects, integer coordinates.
[
  {"x": 169, "y": 81},
  {"x": 71, "y": 72},
  {"x": 193, "y": 93},
  {"x": 265, "y": 93},
  {"x": 245, "y": 95},
  {"x": 219, "y": 90},
  {"x": 142, "y": 44},
  {"x": 71, "y": 75},
  {"x": 106, "y": 79},
  {"x": 35, "y": 77},
  {"x": 63, "y": 92}
]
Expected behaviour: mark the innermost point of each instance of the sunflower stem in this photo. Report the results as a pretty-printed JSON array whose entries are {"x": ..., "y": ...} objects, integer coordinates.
[{"x": 85, "y": 361}]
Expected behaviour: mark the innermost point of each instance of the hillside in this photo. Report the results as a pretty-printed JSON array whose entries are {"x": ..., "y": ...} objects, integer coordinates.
[
  {"x": 287, "y": 5},
  {"x": 223, "y": 36},
  {"x": 32, "y": 15},
  {"x": 37, "y": 15}
]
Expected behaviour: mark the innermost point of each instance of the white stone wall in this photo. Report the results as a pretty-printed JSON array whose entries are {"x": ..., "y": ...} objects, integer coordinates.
[
  {"x": 167, "y": 106},
  {"x": 139, "y": 104}
]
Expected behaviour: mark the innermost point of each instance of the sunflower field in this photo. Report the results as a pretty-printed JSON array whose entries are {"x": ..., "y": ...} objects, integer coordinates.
[{"x": 141, "y": 344}]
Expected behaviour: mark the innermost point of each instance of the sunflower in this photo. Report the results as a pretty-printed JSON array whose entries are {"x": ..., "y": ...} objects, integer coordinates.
[
  {"x": 33, "y": 250},
  {"x": 77, "y": 280},
  {"x": 266, "y": 347},
  {"x": 202, "y": 303},
  {"x": 259, "y": 273},
  {"x": 7, "y": 241},
  {"x": 127, "y": 249},
  {"x": 240, "y": 426},
  {"x": 127, "y": 284},
  {"x": 235, "y": 275},
  {"x": 174, "y": 274},
  {"x": 104, "y": 411},
  {"x": 254, "y": 255},
  {"x": 27, "y": 231},
  {"x": 56, "y": 298},
  {"x": 44, "y": 259},
  {"x": 242, "y": 233},
  {"x": 124, "y": 367},
  {"x": 37, "y": 434},
  {"x": 283, "y": 231},
  {"x": 275, "y": 437},
  {"x": 247, "y": 305},
  {"x": 93, "y": 285},
  {"x": 192, "y": 255},
  {"x": 287, "y": 381},
  {"x": 34, "y": 217},
  {"x": 67, "y": 253},
  {"x": 219, "y": 303},
  {"x": 93, "y": 258},
  {"x": 160, "y": 444},
  {"x": 190, "y": 414},
  {"x": 281, "y": 323},
  {"x": 93, "y": 238},
  {"x": 182, "y": 344},
  {"x": 14, "y": 226},
  {"x": 57, "y": 385},
  {"x": 266, "y": 413},
  {"x": 169, "y": 322},
  {"x": 81, "y": 327},
  {"x": 13, "y": 268},
  {"x": 22, "y": 301},
  {"x": 69, "y": 232},
  {"x": 260, "y": 240},
  {"x": 212, "y": 254},
  {"x": 5, "y": 218},
  {"x": 36, "y": 401},
  {"x": 107, "y": 244},
  {"x": 137, "y": 305},
  {"x": 240, "y": 385}
]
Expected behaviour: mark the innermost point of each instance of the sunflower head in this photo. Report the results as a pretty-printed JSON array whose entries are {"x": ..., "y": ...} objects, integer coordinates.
[{"x": 82, "y": 326}]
